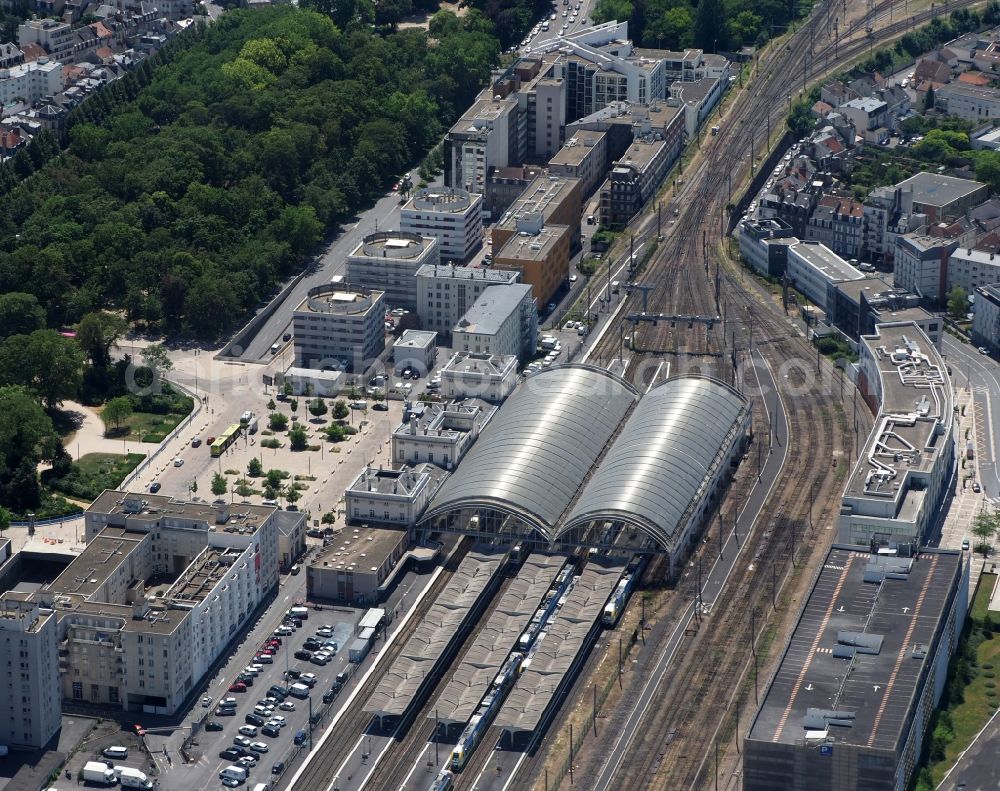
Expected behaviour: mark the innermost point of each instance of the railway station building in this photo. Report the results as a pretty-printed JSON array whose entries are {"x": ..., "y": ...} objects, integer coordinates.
[{"x": 575, "y": 447}]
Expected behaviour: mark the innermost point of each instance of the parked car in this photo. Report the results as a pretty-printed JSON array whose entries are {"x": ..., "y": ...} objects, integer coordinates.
[
  {"x": 239, "y": 686},
  {"x": 212, "y": 725},
  {"x": 328, "y": 696},
  {"x": 259, "y": 747},
  {"x": 154, "y": 487},
  {"x": 248, "y": 730},
  {"x": 308, "y": 679},
  {"x": 287, "y": 705},
  {"x": 278, "y": 767},
  {"x": 230, "y": 754},
  {"x": 303, "y": 654},
  {"x": 255, "y": 720},
  {"x": 271, "y": 730},
  {"x": 241, "y": 741}
]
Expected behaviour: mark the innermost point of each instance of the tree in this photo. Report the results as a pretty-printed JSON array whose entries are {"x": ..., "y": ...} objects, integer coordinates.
[
  {"x": 117, "y": 410},
  {"x": 292, "y": 495},
  {"x": 340, "y": 410},
  {"x": 219, "y": 485},
  {"x": 294, "y": 405},
  {"x": 274, "y": 478},
  {"x": 4, "y": 520},
  {"x": 97, "y": 332},
  {"x": 156, "y": 357},
  {"x": 298, "y": 438},
  {"x": 286, "y": 388},
  {"x": 20, "y": 314},
  {"x": 271, "y": 405},
  {"x": 44, "y": 361},
  {"x": 984, "y": 527},
  {"x": 335, "y": 432},
  {"x": 254, "y": 468},
  {"x": 244, "y": 491},
  {"x": 711, "y": 32},
  {"x": 317, "y": 407},
  {"x": 277, "y": 421},
  {"x": 194, "y": 487},
  {"x": 958, "y": 303},
  {"x": 800, "y": 119}
]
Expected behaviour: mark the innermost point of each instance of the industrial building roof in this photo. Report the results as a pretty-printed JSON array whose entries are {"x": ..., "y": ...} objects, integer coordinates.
[
  {"x": 437, "y": 629},
  {"x": 559, "y": 645},
  {"x": 862, "y": 642},
  {"x": 480, "y": 664},
  {"x": 660, "y": 463},
  {"x": 534, "y": 455},
  {"x": 935, "y": 189}
]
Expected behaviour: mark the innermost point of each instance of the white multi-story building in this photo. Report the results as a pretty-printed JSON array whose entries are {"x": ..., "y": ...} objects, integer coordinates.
[
  {"x": 452, "y": 216},
  {"x": 503, "y": 321},
  {"x": 903, "y": 469},
  {"x": 812, "y": 267},
  {"x": 489, "y": 134},
  {"x": 971, "y": 102},
  {"x": 970, "y": 268},
  {"x": 921, "y": 265},
  {"x": 438, "y": 434},
  {"x": 30, "y": 704},
  {"x": 444, "y": 293},
  {"x": 392, "y": 497},
  {"x": 986, "y": 317},
  {"x": 30, "y": 82},
  {"x": 486, "y": 376},
  {"x": 334, "y": 326},
  {"x": 388, "y": 261},
  {"x": 416, "y": 349},
  {"x": 58, "y": 39}
]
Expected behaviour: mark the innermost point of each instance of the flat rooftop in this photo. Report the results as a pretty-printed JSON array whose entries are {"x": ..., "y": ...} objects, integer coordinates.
[
  {"x": 394, "y": 244},
  {"x": 481, "y": 115},
  {"x": 360, "y": 546},
  {"x": 444, "y": 271},
  {"x": 442, "y": 200},
  {"x": 916, "y": 402},
  {"x": 452, "y": 418},
  {"x": 493, "y": 308},
  {"x": 435, "y": 632},
  {"x": 858, "y": 650},
  {"x": 335, "y": 298},
  {"x": 532, "y": 246},
  {"x": 824, "y": 259},
  {"x": 939, "y": 190},
  {"x": 641, "y": 152},
  {"x": 154, "y": 507},
  {"x": 542, "y": 196},
  {"x": 204, "y": 573},
  {"x": 415, "y": 339},
  {"x": 98, "y": 561},
  {"x": 693, "y": 91},
  {"x": 577, "y": 148},
  {"x": 463, "y": 363}
]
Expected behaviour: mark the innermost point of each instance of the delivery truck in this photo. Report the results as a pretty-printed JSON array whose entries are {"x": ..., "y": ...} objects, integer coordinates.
[
  {"x": 97, "y": 772},
  {"x": 132, "y": 778}
]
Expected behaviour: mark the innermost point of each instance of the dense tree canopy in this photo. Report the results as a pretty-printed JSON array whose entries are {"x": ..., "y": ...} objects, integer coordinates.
[{"x": 186, "y": 206}]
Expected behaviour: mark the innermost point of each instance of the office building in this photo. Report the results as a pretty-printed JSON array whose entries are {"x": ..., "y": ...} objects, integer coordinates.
[
  {"x": 697, "y": 99},
  {"x": 452, "y": 216},
  {"x": 582, "y": 157},
  {"x": 505, "y": 185},
  {"x": 764, "y": 245},
  {"x": 336, "y": 327},
  {"x": 30, "y": 703},
  {"x": 503, "y": 321},
  {"x": 416, "y": 349},
  {"x": 552, "y": 200},
  {"x": 438, "y": 433},
  {"x": 857, "y": 307},
  {"x": 444, "y": 293},
  {"x": 358, "y": 567},
  {"x": 895, "y": 488},
  {"x": 395, "y": 498},
  {"x": 849, "y": 705},
  {"x": 486, "y": 376},
  {"x": 811, "y": 267},
  {"x": 540, "y": 256},
  {"x": 388, "y": 261},
  {"x": 976, "y": 103}
]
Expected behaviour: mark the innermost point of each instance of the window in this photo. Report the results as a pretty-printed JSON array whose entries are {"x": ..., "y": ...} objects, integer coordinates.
[{"x": 77, "y": 690}]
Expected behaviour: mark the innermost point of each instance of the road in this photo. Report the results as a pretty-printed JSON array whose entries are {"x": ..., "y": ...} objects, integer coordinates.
[
  {"x": 384, "y": 215},
  {"x": 968, "y": 367}
]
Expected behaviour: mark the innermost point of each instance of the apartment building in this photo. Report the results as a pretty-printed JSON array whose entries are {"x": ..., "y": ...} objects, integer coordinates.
[
  {"x": 986, "y": 317},
  {"x": 337, "y": 327},
  {"x": 452, "y": 216},
  {"x": 921, "y": 265},
  {"x": 30, "y": 82},
  {"x": 444, "y": 293},
  {"x": 144, "y": 611},
  {"x": 388, "y": 261},
  {"x": 838, "y": 223},
  {"x": 634, "y": 179},
  {"x": 970, "y": 268},
  {"x": 503, "y": 322},
  {"x": 583, "y": 157},
  {"x": 972, "y": 102},
  {"x": 30, "y": 704},
  {"x": 505, "y": 185},
  {"x": 58, "y": 39},
  {"x": 870, "y": 116}
]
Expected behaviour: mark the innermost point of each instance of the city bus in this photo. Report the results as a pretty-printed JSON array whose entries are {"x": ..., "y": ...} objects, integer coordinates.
[{"x": 225, "y": 439}]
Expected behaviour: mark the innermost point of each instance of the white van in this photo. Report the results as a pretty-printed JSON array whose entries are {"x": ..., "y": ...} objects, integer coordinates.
[
  {"x": 115, "y": 752},
  {"x": 262, "y": 787},
  {"x": 300, "y": 691},
  {"x": 237, "y": 773},
  {"x": 299, "y": 612}
]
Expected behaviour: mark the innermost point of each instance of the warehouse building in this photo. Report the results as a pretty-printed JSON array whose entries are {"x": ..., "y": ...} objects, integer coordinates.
[
  {"x": 388, "y": 261},
  {"x": 848, "y": 708},
  {"x": 452, "y": 216}
]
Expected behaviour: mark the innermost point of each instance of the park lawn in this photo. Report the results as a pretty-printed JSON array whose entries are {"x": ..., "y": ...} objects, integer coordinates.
[
  {"x": 148, "y": 426},
  {"x": 969, "y": 716},
  {"x": 94, "y": 473}
]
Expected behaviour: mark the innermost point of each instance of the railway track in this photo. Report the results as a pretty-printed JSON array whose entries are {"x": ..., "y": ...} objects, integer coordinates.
[{"x": 321, "y": 770}]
